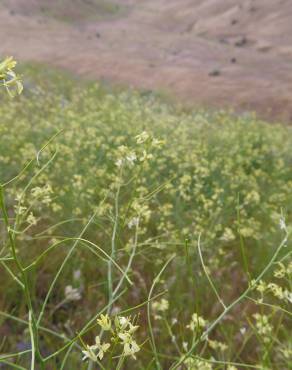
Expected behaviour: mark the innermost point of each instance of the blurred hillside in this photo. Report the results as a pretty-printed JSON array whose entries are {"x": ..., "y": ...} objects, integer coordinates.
[{"x": 215, "y": 53}]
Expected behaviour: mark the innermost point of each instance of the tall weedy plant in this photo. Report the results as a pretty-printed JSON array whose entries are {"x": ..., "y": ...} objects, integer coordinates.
[{"x": 155, "y": 333}]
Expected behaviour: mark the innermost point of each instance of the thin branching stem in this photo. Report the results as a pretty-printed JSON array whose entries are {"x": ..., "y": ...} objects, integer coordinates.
[
  {"x": 207, "y": 274},
  {"x": 152, "y": 338},
  {"x": 66, "y": 259},
  {"x": 113, "y": 245},
  {"x": 24, "y": 280},
  {"x": 231, "y": 306}
]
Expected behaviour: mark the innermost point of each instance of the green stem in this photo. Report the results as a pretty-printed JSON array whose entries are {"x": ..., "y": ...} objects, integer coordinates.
[
  {"x": 232, "y": 305},
  {"x": 113, "y": 247},
  {"x": 207, "y": 274},
  {"x": 242, "y": 247},
  {"x": 24, "y": 279},
  {"x": 152, "y": 341}
]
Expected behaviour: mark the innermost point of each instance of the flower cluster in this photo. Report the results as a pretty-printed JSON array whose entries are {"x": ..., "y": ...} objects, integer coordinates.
[
  {"x": 219, "y": 175},
  {"x": 216, "y": 345},
  {"x": 197, "y": 364},
  {"x": 121, "y": 333},
  {"x": 197, "y": 323},
  {"x": 8, "y": 77},
  {"x": 279, "y": 289},
  {"x": 263, "y": 326},
  {"x": 159, "y": 307}
]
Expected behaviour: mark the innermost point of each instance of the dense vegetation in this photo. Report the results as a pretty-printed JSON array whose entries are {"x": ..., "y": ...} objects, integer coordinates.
[{"x": 119, "y": 203}]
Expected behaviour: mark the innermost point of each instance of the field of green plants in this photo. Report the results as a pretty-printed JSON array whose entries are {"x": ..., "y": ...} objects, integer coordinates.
[{"x": 135, "y": 234}]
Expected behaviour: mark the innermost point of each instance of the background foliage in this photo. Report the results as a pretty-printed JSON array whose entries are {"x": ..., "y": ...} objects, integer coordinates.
[{"x": 225, "y": 177}]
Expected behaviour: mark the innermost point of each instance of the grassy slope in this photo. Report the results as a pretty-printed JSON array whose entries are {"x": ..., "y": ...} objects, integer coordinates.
[
  {"x": 223, "y": 176},
  {"x": 73, "y": 11}
]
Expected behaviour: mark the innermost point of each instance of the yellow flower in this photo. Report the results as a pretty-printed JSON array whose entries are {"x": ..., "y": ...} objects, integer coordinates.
[
  {"x": 101, "y": 347},
  {"x": 140, "y": 139},
  {"x": 8, "y": 77},
  {"x": 89, "y": 354},
  {"x": 197, "y": 322},
  {"x": 161, "y": 305},
  {"x": 104, "y": 322},
  {"x": 130, "y": 345},
  {"x": 214, "y": 344}
]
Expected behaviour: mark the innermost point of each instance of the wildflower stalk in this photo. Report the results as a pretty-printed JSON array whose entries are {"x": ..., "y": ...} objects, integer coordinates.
[
  {"x": 17, "y": 219},
  {"x": 14, "y": 277},
  {"x": 65, "y": 358},
  {"x": 274, "y": 307},
  {"x": 172, "y": 336},
  {"x": 232, "y": 305},
  {"x": 120, "y": 363},
  {"x": 113, "y": 247},
  {"x": 24, "y": 281},
  {"x": 40, "y": 328},
  {"x": 12, "y": 365},
  {"x": 32, "y": 364},
  {"x": 63, "y": 265},
  {"x": 207, "y": 274},
  {"x": 12, "y": 355},
  {"x": 129, "y": 262},
  {"x": 241, "y": 243},
  {"x": 84, "y": 241},
  {"x": 87, "y": 327},
  {"x": 32, "y": 160},
  {"x": 19, "y": 174},
  {"x": 231, "y": 363},
  {"x": 152, "y": 339}
]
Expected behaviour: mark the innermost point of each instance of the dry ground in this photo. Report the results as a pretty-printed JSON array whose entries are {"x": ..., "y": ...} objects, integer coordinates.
[{"x": 216, "y": 53}]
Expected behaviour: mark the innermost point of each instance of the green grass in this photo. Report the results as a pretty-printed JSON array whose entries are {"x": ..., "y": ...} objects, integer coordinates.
[
  {"x": 219, "y": 176},
  {"x": 72, "y": 11}
]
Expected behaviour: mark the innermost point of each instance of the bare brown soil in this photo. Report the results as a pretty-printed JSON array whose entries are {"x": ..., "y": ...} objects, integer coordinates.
[{"x": 215, "y": 53}]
